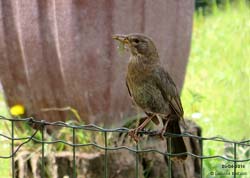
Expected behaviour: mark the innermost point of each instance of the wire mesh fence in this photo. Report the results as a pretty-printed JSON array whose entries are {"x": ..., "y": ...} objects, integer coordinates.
[{"x": 40, "y": 126}]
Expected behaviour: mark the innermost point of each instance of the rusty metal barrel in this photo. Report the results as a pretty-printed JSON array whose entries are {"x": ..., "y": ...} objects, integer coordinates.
[{"x": 60, "y": 53}]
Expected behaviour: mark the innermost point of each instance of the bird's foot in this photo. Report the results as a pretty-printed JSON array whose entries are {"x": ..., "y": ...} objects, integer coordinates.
[
  {"x": 133, "y": 133},
  {"x": 163, "y": 130},
  {"x": 161, "y": 133}
]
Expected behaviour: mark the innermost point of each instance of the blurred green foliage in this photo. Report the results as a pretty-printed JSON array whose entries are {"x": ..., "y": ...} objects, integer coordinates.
[
  {"x": 5, "y": 147},
  {"x": 210, "y": 6},
  {"x": 216, "y": 92},
  {"x": 217, "y": 87}
]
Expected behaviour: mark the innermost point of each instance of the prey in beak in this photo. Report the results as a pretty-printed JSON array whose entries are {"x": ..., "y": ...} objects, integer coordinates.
[
  {"x": 123, "y": 42},
  {"x": 121, "y": 38}
]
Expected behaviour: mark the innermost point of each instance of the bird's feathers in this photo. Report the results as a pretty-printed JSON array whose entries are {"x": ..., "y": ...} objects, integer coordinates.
[{"x": 168, "y": 89}]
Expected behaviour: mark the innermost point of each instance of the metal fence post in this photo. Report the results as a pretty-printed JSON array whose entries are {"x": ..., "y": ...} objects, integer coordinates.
[
  {"x": 201, "y": 159},
  {"x": 169, "y": 157},
  {"x": 235, "y": 158},
  {"x": 106, "y": 156},
  {"x": 74, "y": 153},
  {"x": 43, "y": 161},
  {"x": 137, "y": 161},
  {"x": 12, "y": 150}
]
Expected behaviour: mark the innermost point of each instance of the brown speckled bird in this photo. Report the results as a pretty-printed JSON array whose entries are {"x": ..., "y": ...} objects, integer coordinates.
[{"x": 152, "y": 89}]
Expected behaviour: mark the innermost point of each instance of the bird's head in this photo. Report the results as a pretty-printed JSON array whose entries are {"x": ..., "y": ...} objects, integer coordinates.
[{"x": 138, "y": 44}]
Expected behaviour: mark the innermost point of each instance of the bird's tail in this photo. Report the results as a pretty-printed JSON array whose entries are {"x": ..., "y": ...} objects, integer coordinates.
[{"x": 177, "y": 143}]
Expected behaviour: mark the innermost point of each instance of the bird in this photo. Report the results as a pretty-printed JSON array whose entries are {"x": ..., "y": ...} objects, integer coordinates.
[{"x": 153, "y": 90}]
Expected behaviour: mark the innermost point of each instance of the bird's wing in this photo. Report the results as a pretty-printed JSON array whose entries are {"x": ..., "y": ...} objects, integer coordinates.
[
  {"x": 168, "y": 89},
  {"x": 128, "y": 88}
]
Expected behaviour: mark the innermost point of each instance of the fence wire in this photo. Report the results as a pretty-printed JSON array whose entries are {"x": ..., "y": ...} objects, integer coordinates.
[{"x": 41, "y": 126}]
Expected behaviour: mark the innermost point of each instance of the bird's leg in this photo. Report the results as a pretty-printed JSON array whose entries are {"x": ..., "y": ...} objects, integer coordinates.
[
  {"x": 133, "y": 132},
  {"x": 163, "y": 130}
]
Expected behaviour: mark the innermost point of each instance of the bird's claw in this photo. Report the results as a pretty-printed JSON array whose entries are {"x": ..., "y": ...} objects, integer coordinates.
[
  {"x": 133, "y": 133},
  {"x": 161, "y": 133}
]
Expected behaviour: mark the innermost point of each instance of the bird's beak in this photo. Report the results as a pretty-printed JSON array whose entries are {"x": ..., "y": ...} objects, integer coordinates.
[{"x": 121, "y": 38}]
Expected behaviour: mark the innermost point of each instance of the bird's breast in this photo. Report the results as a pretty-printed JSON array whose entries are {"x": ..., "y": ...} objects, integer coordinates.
[{"x": 144, "y": 92}]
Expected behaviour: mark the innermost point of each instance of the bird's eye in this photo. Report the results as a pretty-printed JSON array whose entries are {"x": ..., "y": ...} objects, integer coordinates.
[{"x": 136, "y": 40}]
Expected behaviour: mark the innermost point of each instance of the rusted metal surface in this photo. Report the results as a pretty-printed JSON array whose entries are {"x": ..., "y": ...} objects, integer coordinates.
[{"x": 60, "y": 53}]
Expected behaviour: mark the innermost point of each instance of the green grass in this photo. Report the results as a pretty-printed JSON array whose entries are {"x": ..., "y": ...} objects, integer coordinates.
[
  {"x": 216, "y": 93},
  {"x": 5, "y": 147},
  {"x": 217, "y": 83}
]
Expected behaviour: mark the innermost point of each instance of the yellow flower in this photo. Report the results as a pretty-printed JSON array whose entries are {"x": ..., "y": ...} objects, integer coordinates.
[{"x": 17, "y": 110}]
